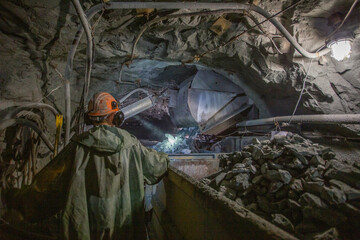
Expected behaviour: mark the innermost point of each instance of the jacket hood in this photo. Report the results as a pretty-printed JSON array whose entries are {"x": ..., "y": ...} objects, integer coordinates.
[{"x": 102, "y": 139}]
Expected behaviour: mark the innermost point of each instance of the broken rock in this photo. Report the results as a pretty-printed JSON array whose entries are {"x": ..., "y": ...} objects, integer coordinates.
[
  {"x": 329, "y": 216},
  {"x": 296, "y": 185},
  {"x": 317, "y": 160},
  {"x": 333, "y": 195},
  {"x": 240, "y": 182},
  {"x": 343, "y": 172},
  {"x": 313, "y": 187},
  {"x": 331, "y": 234},
  {"x": 351, "y": 193},
  {"x": 257, "y": 152},
  {"x": 281, "y": 221},
  {"x": 282, "y": 175},
  {"x": 308, "y": 199},
  {"x": 275, "y": 186},
  {"x": 219, "y": 178}
]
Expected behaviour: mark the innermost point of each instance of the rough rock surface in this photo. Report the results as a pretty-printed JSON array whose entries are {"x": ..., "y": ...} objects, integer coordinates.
[
  {"x": 303, "y": 198},
  {"x": 36, "y": 36}
]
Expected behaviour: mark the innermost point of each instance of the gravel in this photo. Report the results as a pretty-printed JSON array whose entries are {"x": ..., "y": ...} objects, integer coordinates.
[{"x": 297, "y": 185}]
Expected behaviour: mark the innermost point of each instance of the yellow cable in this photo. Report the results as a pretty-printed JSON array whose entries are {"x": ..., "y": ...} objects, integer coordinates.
[{"x": 59, "y": 123}]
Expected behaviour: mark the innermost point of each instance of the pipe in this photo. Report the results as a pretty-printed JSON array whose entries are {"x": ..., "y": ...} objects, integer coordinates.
[
  {"x": 67, "y": 110},
  {"x": 137, "y": 107},
  {"x": 312, "y": 119},
  {"x": 132, "y": 92},
  {"x": 206, "y": 13},
  {"x": 90, "y": 47},
  {"x": 169, "y": 5},
  {"x": 24, "y": 105},
  {"x": 15, "y": 121}
]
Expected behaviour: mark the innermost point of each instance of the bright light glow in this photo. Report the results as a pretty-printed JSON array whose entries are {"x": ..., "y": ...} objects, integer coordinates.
[
  {"x": 341, "y": 49},
  {"x": 170, "y": 138}
]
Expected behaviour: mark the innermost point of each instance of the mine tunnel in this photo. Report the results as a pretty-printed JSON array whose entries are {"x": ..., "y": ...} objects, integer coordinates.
[{"x": 180, "y": 120}]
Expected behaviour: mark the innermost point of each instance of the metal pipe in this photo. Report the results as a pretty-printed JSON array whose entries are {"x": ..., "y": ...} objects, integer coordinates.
[
  {"x": 86, "y": 26},
  {"x": 15, "y": 121},
  {"x": 312, "y": 119},
  {"x": 67, "y": 110},
  {"x": 169, "y": 5},
  {"x": 137, "y": 107}
]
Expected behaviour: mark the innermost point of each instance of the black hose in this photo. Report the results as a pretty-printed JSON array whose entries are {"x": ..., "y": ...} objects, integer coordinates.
[{"x": 20, "y": 121}]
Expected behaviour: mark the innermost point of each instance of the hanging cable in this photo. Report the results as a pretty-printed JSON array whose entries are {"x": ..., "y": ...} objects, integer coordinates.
[
  {"x": 303, "y": 88},
  {"x": 90, "y": 58},
  {"x": 346, "y": 17}
]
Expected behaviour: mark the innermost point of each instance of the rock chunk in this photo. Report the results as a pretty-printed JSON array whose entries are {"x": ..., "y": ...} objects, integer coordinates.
[
  {"x": 219, "y": 178},
  {"x": 240, "y": 182},
  {"x": 331, "y": 234},
  {"x": 281, "y": 221},
  {"x": 343, "y": 172},
  {"x": 333, "y": 195},
  {"x": 313, "y": 187},
  {"x": 329, "y": 216},
  {"x": 275, "y": 186},
  {"x": 308, "y": 199},
  {"x": 317, "y": 160},
  {"x": 293, "y": 182},
  {"x": 281, "y": 175},
  {"x": 351, "y": 193}
]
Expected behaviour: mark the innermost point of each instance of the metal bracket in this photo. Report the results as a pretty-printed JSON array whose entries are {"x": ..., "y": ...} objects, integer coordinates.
[{"x": 220, "y": 26}]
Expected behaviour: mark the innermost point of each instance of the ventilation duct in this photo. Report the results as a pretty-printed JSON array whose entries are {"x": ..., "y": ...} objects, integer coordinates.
[{"x": 211, "y": 102}]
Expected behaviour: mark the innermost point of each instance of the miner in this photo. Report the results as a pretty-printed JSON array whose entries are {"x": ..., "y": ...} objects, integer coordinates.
[{"x": 95, "y": 186}]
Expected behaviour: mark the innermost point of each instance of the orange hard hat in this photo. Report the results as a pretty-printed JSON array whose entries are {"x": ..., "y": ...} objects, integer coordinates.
[{"x": 102, "y": 104}]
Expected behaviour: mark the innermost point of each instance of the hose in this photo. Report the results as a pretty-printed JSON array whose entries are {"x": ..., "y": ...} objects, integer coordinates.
[
  {"x": 311, "y": 119},
  {"x": 20, "y": 121},
  {"x": 90, "y": 51},
  {"x": 168, "y": 5},
  {"x": 24, "y": 105},
  {"x": 132, "y": 92}
]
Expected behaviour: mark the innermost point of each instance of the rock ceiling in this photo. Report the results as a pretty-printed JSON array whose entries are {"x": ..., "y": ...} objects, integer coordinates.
[{"x": 35, "y": 37}]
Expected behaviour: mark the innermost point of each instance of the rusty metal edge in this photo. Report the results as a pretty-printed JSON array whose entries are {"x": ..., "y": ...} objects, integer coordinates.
[{"x": 221, "y": 206}]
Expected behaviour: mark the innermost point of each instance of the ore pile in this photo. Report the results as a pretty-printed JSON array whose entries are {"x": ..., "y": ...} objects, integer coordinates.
[{"x": 295, "y": 184}]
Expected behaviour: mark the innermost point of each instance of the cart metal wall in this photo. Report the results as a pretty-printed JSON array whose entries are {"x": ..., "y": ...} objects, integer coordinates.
[{"x": 184, "y": 208}]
